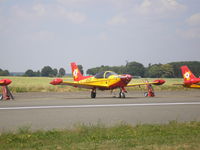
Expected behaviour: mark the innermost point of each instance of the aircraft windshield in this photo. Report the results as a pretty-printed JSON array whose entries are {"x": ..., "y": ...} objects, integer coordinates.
[{"x": 104, "y": 74}]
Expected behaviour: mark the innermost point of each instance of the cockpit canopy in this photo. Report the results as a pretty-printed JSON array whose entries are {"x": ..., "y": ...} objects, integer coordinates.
[{"x": 104, "y": 74}]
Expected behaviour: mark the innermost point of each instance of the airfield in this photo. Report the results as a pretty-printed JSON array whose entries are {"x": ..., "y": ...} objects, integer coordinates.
[{"x": 51, "y": 110}]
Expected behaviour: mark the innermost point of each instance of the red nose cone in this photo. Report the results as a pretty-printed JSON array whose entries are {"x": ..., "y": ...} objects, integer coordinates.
[
  {"x": 126, "y": 78},
  {"x": 129, "y": 77},
  {"x": 56, "y": 81},
  {"x": 5, "y": 82}
]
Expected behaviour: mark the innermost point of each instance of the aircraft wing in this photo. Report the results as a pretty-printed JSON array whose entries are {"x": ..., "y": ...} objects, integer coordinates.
[
  {"x": 156, "y": 82},
  {"x": 76, "y": 84}
]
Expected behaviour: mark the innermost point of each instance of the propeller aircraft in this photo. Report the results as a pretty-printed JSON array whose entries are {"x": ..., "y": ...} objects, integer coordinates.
[
  {"x": 190, "y": 80},
  {"x": 106, "y": 80}
]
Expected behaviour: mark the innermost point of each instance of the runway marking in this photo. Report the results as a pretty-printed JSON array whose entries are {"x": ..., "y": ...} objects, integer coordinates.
[{"x": 100, "y": 105}]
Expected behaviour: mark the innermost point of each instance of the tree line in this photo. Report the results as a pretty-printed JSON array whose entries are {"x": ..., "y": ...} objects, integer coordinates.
[
  {"x": 4, "y": 72},
  {"x": 169, "y": 70},
  {"x": 46, "y": 71}
]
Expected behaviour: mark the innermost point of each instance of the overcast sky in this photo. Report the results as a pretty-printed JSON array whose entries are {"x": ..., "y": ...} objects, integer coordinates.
[{"x": 37, "y": 33}]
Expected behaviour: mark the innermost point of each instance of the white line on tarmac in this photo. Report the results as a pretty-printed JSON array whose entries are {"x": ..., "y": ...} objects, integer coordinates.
[{"x": 100, "y": 105}]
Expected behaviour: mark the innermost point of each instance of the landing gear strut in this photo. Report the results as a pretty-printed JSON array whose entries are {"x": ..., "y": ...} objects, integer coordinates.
[
  {"x": 93, "y": 93},
  {"x": 122, "y": 93}
]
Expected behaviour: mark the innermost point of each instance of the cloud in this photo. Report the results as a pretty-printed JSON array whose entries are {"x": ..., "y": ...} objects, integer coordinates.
[
  {"x": 159, "y": 7},
  {"x": 137, "y": 11},
  {"x": 103, "y": 36},
  {"x": 117, "y": 20},
  {"x": 121, "y": 4},
  {"x": 42, "y": 35},
  {"x": 73, "y": 16},
  {"x": 190, "y": 33},
  {"x": 44, "y": 11},
  {"x": 73, "y": 2},
  {"x": 39, "y": 9},
  {"x": 29, "y": 13},
  {"x": 192, "y": 27},
  {"x": 194, "y": 20}
]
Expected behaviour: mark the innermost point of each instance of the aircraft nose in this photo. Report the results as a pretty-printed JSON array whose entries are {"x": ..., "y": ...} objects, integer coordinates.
[
  {"x": 126, "y": 78},
  {"x": 129, "y": 77}
]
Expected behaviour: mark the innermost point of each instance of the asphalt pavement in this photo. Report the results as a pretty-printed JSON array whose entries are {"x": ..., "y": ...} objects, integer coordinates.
[{"x": 65, "y": 110}]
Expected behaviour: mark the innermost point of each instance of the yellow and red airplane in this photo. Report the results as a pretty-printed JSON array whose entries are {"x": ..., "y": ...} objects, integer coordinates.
[
  {"x": 190, "y": 80},
  {"x": 106, "y": 80}
]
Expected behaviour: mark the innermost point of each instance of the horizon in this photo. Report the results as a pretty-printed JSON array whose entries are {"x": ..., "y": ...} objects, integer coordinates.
[{"x": 90, "y": 68}]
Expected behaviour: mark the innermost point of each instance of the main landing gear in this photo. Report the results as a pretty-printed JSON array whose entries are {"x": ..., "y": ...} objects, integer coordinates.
[
  {"x": 122, "y": 93},
  {"x": 93, "y": 93}
]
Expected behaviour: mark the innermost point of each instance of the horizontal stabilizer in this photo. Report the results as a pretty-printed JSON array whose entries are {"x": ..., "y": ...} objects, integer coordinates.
[
  {"x": 5, "y": 82},
  {"x": 56, "y": 81},
  {"x": 158, "y": 82}
]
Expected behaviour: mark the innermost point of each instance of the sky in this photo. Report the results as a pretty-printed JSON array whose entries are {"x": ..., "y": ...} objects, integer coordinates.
[{"x": 37, "y": 33}]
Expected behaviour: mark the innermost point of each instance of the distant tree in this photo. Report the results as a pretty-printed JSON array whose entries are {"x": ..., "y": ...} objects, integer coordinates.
[
  {"x": 38, "y": 73},
  {"x": 47, "y": 71},
  {"x": 55, "y": 72},
  {"x": 132, "y": 68},
  {"x": 135, "y": 69},
  {"x": 29, "y": 73},
  {"x": 160, "y": 70},
  {"x": 167, "y": 71},
  {"x": 92, "y": 71},
  {"x": 80, "y": 67},
  {"x": 61, "y": 72},
  {"x": 193, "y": 65},
  {"x": 155, "y": 71},
  {"x": 4, "y": 72}
]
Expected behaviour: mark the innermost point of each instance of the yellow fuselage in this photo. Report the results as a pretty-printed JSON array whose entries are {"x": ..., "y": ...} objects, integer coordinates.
[
  {"x": 194, "y": 86},
  {"x": 106, "y": 83}
]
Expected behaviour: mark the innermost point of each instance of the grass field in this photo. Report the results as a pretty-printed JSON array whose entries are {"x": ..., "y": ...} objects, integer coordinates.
[
  {"x": 172, "y": 136},
  {"x": 41, "y": 84}
]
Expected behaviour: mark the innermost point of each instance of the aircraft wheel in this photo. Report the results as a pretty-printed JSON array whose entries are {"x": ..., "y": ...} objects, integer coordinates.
[
  {"x": 1, "y": 96},
  {"x": 146, "y": 94},
  {"x": 93, "y": 94},
  {"x": 122, "y": 95}
]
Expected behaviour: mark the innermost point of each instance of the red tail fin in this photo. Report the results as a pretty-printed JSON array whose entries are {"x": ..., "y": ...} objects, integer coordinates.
[
  {"x": 187, "y": 74},
  {"x": 77, "y": 75}
]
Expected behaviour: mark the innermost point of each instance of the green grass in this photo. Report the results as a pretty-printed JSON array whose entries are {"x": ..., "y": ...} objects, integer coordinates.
[
  {"x": 35, "y": 84},
  {"x": 41, "y": 84},
  {"x": 172, "y": 136}
]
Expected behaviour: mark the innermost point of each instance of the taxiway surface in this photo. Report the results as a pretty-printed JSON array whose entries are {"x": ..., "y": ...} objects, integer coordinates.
[{"x": 64, "y": 110}]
